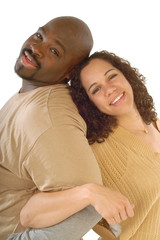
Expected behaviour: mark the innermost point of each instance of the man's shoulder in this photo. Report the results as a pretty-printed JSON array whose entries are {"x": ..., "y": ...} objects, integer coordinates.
[
  {"x": 59, "y": 99},
  {"x": 53, "y": 94},
  {"x": 48, "y": 97},
  {"x": 53, "y": 105},
  {"x": 62, "y": 109},
  {"x": 60, "y": 92}
]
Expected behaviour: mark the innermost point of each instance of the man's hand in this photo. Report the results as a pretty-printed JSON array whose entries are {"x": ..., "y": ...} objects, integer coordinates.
[{"x": 110, "y": 204}]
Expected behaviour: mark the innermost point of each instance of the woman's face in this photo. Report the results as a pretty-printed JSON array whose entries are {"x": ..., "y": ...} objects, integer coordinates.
[{"x": 107, "y": 88}]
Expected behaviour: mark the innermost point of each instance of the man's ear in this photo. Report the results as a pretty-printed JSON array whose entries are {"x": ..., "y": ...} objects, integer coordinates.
[
  {"x": 70, "y": 73},
  {"x": 66, "y": 80}
]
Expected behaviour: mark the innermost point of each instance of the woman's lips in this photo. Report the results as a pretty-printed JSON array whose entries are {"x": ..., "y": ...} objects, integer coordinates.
[{"x": 117, "y": 99}]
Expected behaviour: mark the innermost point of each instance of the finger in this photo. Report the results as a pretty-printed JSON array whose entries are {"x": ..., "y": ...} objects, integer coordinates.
[
  {"x": 123, "y": 215},
  {"x": 129, "y": 210},
  {"x": 117, "y": 218},
  {"x": 111, "y": 221}
]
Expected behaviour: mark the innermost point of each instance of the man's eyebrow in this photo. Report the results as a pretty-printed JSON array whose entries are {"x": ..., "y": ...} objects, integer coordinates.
[
  {"x": 55, "y": 40},
  {"x": 60, "y": 44},
  {"x": 42, "y": 30}
]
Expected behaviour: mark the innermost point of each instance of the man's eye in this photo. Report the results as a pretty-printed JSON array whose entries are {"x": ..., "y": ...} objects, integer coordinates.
[
  {"x": 54, "y": 51},
  {"x": 96, "y": 90},
  {"x": 38, "y": 35}
]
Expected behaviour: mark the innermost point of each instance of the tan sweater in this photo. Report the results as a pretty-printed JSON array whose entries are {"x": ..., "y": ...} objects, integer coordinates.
[{"x": 132, "y": 167}]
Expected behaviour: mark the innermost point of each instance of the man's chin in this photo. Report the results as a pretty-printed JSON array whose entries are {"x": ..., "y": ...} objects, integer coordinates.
[
  {"x": 23, "y": 73},
  {"x": 24, "y": 76}
]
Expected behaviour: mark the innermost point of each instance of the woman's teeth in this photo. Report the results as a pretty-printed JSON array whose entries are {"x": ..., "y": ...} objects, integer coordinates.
[{"x": 115, "y": 100}]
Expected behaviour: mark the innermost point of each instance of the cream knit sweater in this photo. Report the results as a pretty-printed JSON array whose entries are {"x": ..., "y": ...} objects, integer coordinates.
[{"x": 130, "y": 166}]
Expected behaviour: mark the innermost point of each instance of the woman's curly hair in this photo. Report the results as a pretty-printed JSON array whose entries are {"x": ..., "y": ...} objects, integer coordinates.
[{"x": 99, "y": 125}]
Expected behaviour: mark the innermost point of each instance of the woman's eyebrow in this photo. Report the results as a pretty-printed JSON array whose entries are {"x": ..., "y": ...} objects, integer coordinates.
[
  {"x": 104, "y": 75},
  {"x": 108, "y": 71},
  {"x": 91, "y": 86}
]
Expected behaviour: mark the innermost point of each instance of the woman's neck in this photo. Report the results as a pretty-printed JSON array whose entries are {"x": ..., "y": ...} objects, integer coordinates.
[{"x": 133, "y": 122}]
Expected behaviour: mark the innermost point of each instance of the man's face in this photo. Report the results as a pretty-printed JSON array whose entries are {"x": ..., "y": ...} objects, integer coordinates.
[{"x": 47, "y": 55}]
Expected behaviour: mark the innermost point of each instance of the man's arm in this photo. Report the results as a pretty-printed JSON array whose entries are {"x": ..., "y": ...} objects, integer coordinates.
[
  {"x": 73, "y": 228},
  {"x": 46, "y": 209}
]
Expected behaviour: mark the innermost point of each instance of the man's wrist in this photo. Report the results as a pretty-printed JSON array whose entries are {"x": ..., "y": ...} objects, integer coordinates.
[{"x": 88, "y": 191}]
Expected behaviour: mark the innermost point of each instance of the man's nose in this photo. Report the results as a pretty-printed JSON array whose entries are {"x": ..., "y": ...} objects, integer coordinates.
[{"x": 37, "y": 50}]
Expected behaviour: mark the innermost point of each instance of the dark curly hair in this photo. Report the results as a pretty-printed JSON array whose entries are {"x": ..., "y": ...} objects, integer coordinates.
[{"x": 99, "y": 125}]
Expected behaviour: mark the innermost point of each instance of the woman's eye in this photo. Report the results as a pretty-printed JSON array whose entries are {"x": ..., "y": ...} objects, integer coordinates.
[
  {"x": 96, "y": 90},
  {"x": 38, "y": 35},
  {"x": 112, "y": 76},
  {"x": 54, "y": 51}
]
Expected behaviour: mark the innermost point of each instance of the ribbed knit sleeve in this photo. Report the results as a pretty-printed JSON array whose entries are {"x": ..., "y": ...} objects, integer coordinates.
[{"x": 130, "y": 166}]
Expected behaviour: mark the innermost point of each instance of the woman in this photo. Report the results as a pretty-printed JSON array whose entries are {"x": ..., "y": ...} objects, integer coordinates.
[{"x": 125, "y": 135}]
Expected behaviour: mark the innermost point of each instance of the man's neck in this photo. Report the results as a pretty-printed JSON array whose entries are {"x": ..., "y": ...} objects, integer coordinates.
[{"x": 30, "y": 85}]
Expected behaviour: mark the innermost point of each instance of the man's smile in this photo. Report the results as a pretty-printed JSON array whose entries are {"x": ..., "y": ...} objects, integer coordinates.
[{"x": 28, "y": 60}]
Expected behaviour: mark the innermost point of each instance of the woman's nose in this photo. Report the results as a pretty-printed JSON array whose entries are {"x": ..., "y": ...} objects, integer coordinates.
[{"x": 109, "y": 90}]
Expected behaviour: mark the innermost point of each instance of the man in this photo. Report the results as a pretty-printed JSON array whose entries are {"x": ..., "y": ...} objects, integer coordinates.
[{"x": 43, "y": 144}]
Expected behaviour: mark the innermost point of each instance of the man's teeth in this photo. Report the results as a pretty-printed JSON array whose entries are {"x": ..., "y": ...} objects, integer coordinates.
[
  {"x": 115, "y": 100},
  {"x": 27, "y": 55}
]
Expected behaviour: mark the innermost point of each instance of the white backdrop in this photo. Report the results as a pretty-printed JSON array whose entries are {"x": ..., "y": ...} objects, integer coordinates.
[{"x": 129, "y": 28}]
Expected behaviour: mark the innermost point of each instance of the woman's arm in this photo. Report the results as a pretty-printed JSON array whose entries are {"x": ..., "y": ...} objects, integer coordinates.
[{"x": 49, "y": 208}]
